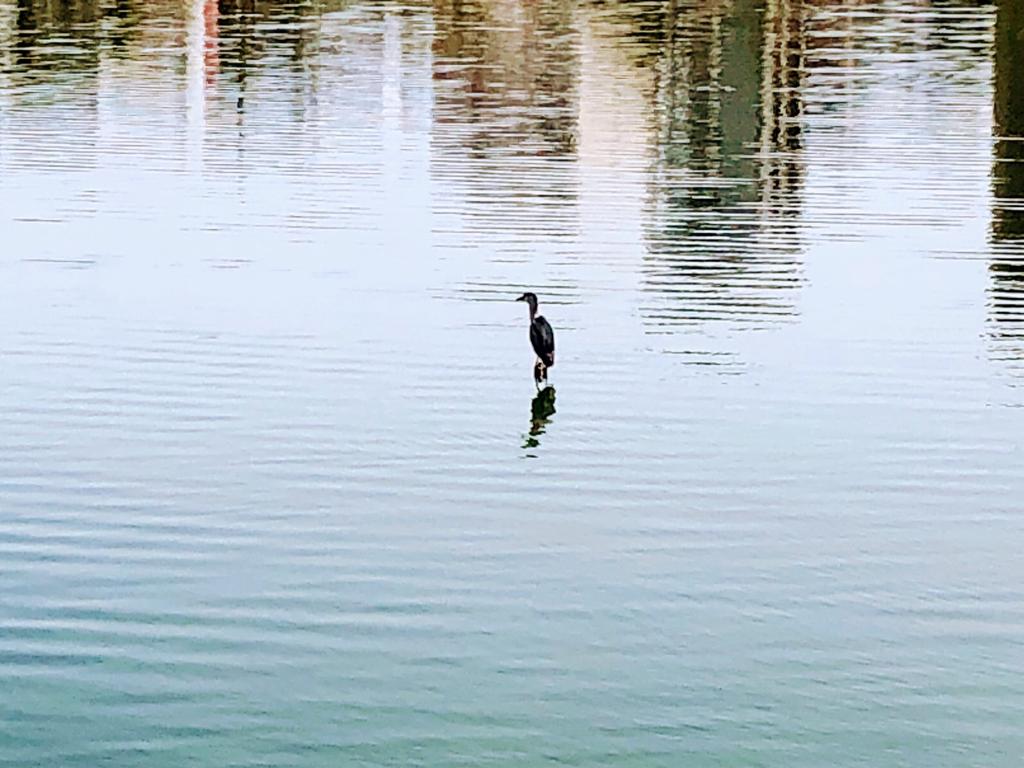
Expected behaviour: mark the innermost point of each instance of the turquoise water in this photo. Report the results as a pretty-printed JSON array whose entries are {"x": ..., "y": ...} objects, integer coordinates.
[{"x": 276, "y": 487}]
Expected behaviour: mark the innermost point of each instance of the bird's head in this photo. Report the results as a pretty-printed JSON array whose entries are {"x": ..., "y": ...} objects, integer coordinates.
[{"x": 529, "y": 298}]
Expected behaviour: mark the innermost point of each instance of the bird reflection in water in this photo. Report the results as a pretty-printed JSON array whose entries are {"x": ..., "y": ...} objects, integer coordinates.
[{"x": 541, "y": 410}]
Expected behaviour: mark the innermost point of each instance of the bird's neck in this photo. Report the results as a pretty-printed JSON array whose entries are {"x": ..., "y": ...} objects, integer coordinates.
[{"x": 533, "y": 312}]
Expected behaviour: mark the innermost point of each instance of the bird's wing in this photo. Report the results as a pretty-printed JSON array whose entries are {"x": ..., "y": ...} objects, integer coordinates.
[{"x": 542, "y": 337}]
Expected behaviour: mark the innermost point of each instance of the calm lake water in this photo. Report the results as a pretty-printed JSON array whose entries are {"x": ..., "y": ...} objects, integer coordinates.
[{"x": 275, "y": 488}]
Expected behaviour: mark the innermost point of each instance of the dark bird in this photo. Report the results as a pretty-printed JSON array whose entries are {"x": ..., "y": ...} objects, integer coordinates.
[{"x": 542, "y": 337}]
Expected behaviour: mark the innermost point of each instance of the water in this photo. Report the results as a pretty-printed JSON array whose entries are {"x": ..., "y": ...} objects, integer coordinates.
[{"x": 276, "y": 485}]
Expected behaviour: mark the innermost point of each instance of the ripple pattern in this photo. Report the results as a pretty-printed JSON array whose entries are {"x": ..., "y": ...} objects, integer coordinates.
[{"x": 276, "y": 487}]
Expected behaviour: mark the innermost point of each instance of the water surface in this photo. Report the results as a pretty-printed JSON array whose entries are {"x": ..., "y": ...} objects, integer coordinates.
[{"x": 276, "y": 487}]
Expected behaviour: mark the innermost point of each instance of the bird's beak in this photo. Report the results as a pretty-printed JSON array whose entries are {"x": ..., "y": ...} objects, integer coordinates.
[{"x": 522, "y": 298}]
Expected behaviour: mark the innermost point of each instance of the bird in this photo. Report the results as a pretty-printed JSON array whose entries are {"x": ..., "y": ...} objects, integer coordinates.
[{"x": 542, "y": 337}]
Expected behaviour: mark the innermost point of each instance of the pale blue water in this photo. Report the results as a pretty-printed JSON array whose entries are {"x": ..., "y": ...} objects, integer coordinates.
[{"x": 274, "y": 485}]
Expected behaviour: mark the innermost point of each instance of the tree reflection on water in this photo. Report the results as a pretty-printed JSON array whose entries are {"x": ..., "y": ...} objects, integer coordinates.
[
  {"x": 720, "y": 133},
  {"x": 1006, "y": 291}
]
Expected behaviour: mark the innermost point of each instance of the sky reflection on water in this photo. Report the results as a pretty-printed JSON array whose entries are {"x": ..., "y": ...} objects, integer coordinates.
[{"x": 276, "y": 484}]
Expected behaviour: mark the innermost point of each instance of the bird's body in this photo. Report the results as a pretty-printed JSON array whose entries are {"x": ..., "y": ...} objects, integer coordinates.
[{"x": 542, "y": 338}]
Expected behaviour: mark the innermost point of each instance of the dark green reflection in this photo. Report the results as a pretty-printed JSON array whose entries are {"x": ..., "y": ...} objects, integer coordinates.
[
  {"x": 65, "y": 36},
  {"x": 249, "y": 30},
  {"x": 506, "y": 111},
  {"x": 1007, "y": 267},
  {"x": 237, "y": 34},
  {"x": 727, "y": 103},
  {"x": 1008, "y": 172},
  {"x": 541, "y": 410},
  {"x": 509, "y": 82}
]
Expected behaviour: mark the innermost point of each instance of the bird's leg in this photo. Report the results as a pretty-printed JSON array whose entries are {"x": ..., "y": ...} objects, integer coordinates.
[{"x": 538, "y": 372}]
